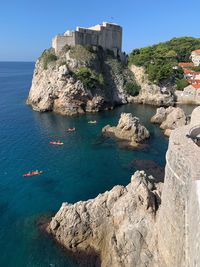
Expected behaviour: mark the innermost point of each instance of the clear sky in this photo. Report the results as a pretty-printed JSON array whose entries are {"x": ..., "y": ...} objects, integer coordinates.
[{"x": 27, "y": 26}]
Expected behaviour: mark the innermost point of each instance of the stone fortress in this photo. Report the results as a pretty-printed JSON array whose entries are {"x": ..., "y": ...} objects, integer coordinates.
[{"x": 107, "y": 35}]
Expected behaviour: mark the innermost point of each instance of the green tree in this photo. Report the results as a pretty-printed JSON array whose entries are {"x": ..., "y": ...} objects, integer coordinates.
[{"x": 181, "y": 84}]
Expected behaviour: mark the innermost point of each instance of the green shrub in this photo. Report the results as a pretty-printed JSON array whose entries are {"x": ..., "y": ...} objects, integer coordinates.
[
  {"x": 196, "y": 68},
  {"x": 65, "y": 48},
  {"x": 181, "y": 84},
  {"x": 132, "y": 88},
  {"x": 159, "y": 60},
  {"x": 101, "y": 80},
  {"x": 47, "y": 57},
  {"x": 110, "y": 52},
  {"x": 89, "y": 48},
  {"x": 81, "y": 53},
  {"x": 85, "y": 76}
]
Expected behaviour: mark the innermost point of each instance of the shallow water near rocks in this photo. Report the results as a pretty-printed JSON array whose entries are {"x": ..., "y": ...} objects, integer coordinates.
[{"x": 86, "y": 165}]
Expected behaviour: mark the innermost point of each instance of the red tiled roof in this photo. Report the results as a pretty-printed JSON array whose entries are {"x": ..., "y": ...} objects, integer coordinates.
[
  {"x": 197, "y": 51},
  {"x": 193, "y": 81},
  {"x": 196, "y": 86},
  {"x": 186, "y": 71},
  {"x": 186, "y": 64}
]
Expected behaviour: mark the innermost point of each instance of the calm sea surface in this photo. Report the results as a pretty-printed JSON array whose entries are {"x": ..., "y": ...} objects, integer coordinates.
[{"x": 86, "y": 165}]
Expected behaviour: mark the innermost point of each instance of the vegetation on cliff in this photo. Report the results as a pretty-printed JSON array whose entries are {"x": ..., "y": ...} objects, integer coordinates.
[
  {"x": 161, "y": 60},
  {"x": 93, "y": 67},
  {"x": 47, "y": 56}
]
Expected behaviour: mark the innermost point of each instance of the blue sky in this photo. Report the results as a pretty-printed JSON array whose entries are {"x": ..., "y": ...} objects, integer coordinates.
[{"x": 27, "y": 26}]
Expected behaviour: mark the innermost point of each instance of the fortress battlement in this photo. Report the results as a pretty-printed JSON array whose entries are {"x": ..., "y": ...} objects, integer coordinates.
[{"x": 107, "y": 35}]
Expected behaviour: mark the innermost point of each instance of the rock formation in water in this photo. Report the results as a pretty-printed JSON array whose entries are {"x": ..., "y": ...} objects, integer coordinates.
[
  {"x": 144, "y": 223},
  {"x": 129, "y": 128},
  {"x": 151, "y": 93},
  {"x": 79, "y": 79},
  {"x": 118, "y": 224},
  {"x": 169, "y": 119}
]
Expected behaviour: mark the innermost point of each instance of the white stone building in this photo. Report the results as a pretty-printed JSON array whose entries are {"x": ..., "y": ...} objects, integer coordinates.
[{"x": 195, "y": 56}]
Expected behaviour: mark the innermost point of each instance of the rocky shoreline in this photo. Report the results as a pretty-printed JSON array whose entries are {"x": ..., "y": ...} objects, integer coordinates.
[
  {"x": 116, "y": 221},
  {"x": 129, "y": 221}
]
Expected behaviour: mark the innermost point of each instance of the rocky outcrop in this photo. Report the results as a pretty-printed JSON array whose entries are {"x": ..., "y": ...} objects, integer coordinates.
[
  {"x": 78, "y": 80},
  {"x": 128, "y": 128},
  {"x": 120, "y": 221},
  {"x": 128, "y": 227},
  {"x": 151, "y": 93},
  {"x": 169, "y": 119},
  {"x": 189, "y": 95}
]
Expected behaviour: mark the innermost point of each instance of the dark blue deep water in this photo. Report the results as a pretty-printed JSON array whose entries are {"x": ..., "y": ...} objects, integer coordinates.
[{"x": 84, "y": 166}]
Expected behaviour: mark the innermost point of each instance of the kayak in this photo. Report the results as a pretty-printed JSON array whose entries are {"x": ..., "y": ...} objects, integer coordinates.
[
  {"x": 71, "y": 129},
  {"x": 56, "y": 143},
  {"x": 92, "y": 122},
  {"x": 32, "y": 173}
]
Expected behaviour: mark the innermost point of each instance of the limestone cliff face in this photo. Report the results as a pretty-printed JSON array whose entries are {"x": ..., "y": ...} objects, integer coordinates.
[
  {"x": 78, "y": 80},
  {"x": 151, "y": 93},
  {"x": 118, "y": 225}
]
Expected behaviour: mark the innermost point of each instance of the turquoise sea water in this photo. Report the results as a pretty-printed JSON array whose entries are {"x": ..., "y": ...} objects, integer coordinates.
[{"x": 86, "y": 165}]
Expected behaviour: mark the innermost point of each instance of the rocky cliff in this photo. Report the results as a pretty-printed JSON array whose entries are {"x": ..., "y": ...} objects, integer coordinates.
[
  {"x": 151, "y": 93},
  {"x": 145, "y": 223},
  {"x": 115, "y": 224},
  {"x": 79, "y": 79}
]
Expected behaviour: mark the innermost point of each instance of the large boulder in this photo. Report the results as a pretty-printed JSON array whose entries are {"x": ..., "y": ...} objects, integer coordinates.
[
  {"x": 161, "y": 114},
  {"x": 118, "y": 224},
  {"x": 169, "y": 119},
  {"x": 129, "y": 128}
]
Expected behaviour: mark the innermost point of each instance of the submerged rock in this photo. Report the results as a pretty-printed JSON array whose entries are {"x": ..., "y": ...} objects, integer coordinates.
[
  {"x": 169, "y": 119},
  {"x": 118, "y": 224},
  {"x": 128, "y": 128}
]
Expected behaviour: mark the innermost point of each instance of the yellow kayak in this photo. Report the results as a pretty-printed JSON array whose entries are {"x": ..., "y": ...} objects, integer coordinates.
[{"x": 92, "y": 122}]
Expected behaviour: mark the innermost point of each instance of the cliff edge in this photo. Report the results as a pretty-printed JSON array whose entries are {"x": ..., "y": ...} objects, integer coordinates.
[{"x": 79, "y": 79}]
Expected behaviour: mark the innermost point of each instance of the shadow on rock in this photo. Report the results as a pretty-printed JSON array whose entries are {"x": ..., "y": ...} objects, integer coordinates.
[
  {"x": 150, "y": 167},
  {"x": 86, "y": 258}
]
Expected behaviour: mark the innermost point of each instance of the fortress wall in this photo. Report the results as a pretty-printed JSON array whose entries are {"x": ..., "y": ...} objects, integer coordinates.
[
  {"x": 61, "y": 40},
  {"x": 109, "y": 36},
  {"x": 179, "y": 216},
  {"x": 194, "y": 225},
  {"x": 86, "y": 38}
]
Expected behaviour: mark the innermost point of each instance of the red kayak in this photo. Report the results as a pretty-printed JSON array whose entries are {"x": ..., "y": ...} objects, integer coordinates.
[
  {"x": 56, "y": 143},
  {"x": 32, "y": 173}
]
